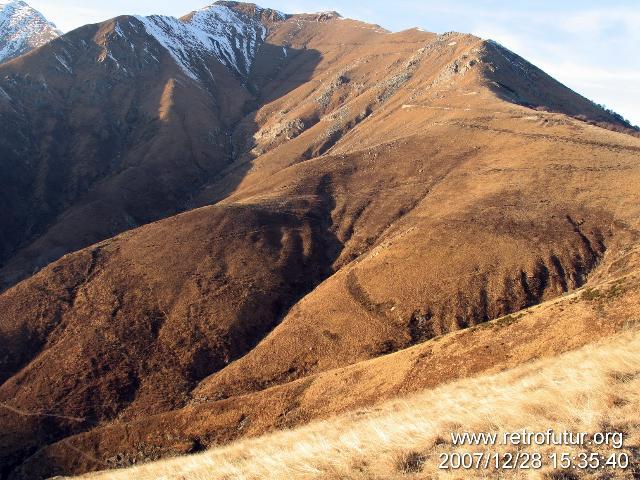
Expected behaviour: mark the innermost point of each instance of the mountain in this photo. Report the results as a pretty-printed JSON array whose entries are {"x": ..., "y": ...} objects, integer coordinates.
[
  {"x": 168, "y": 93},
  {"x": 162, "y": 106},
  {"x": 22, "y": 29},
  {"x": 205, "y": 215}
]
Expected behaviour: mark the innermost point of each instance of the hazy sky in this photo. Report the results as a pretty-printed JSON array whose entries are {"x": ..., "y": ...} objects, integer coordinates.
[{"x": 591, "y": 46}]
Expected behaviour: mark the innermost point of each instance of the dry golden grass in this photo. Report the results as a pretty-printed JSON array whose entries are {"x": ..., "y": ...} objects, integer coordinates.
[{"x": 596, "y": 388}]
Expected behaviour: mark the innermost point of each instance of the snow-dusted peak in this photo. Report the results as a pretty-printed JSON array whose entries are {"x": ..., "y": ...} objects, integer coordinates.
[
  {"x": 22, "y": 29},
  {"x": 252, "y": 10},
  {"x": 324, "y": 16},
  {"x": 231, "y": 31},
  {"x": 328, "y": 14}
]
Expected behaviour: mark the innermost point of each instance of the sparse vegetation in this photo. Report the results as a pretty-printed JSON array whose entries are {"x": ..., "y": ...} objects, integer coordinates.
[
  {"x": 614, "y": 291},
  {"x": 411, "y": 462}
]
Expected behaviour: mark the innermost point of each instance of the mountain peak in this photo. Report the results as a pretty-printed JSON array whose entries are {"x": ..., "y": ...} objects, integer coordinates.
[
  {"x": 326, "y": 15},
  {"x": 249, "y": 9},
  {"x": 22, "y": 28},
  {"x": 230, "y": 31}
]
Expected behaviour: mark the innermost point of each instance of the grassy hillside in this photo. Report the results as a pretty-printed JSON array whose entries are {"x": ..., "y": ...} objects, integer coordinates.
[
  {"x": 593, "y": 389},
  {"x": 552, "y": 377}
]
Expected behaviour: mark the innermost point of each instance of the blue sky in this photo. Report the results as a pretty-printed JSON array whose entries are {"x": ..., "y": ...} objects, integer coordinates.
[{"x": 591, "y": 46}]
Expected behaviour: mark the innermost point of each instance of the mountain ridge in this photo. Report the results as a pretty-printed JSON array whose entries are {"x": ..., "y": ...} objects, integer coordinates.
[
  {"x": 195, "y": 63},
  {"x": 235, "y": 44}
]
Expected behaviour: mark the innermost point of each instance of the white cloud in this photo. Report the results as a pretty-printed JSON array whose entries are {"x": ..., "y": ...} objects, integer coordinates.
[{"x": 599, "y": 21}]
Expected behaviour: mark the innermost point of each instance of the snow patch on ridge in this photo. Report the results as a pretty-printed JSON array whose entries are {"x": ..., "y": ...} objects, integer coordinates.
[
  {"x": 63, "y": 63},
  {"x": 232, "y": 37}
]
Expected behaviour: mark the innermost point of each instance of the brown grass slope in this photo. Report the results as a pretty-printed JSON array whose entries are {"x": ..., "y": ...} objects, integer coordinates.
[
  {"x": 99, "y": 135},
  {"x": 594, "y": 389},
  {"x": 469, "y": 209},
  {"x": 380, "y": 195},
  {"x": 538, "y": 333},
  {"x": 133, "y": 324}
]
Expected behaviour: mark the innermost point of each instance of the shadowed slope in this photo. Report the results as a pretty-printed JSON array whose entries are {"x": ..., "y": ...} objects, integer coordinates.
[
  {"x": 110, "y": 131},
  {"x": 108, "y": 142}
]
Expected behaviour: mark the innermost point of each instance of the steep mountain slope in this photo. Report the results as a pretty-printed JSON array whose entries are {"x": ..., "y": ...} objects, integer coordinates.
[
  {"x": 362, "y": 191},
  {"x": 22, "y": 29}
]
